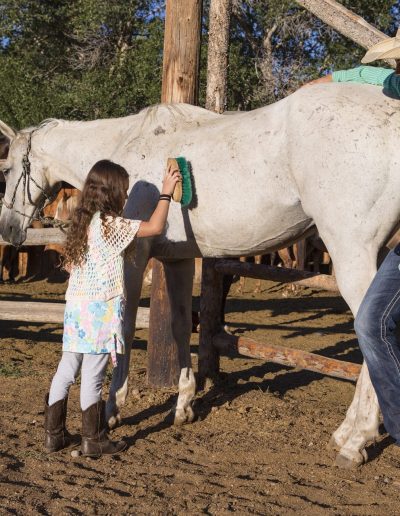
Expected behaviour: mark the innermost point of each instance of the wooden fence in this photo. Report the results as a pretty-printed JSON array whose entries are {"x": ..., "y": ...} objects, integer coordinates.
[
  {"x": 213, "y": 341},
  {"x": 48, "y": 312}
]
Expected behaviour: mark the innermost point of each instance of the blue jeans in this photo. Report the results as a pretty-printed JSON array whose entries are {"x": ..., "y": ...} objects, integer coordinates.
[{"x": 375, "y": 325}]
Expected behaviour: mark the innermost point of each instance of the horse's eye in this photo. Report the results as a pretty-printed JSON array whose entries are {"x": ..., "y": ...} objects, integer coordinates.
[{"x": 6, "y": 171}]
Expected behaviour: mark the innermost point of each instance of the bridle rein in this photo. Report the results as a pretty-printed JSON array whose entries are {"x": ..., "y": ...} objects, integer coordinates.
[{"x": 27, "y": 178}]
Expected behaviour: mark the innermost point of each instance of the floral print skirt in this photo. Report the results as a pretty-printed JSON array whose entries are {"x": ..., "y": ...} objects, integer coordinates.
[{"x": 94, "y": 327}]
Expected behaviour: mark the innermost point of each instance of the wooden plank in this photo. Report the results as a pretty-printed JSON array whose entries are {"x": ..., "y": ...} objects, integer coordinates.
[
  {"x": 43, "y": 236},
  {"x": 345, "y": 21},
  {"x": 288, "y": 357},
  {"x": 279, "y": 274},
  {"x": 36, "y": 311}
]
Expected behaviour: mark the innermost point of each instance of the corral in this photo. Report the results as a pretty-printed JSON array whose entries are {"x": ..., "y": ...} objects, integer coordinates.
[
  {"x": 280, "y": 466},
  {"x": 258, "y": 447}
]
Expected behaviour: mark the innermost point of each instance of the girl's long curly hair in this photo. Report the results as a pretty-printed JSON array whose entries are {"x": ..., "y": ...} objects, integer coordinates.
[{"x": 104, "y": 191}]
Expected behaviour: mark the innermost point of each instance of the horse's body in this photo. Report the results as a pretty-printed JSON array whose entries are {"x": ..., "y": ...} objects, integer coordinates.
[{"x": 326, "y": 155}]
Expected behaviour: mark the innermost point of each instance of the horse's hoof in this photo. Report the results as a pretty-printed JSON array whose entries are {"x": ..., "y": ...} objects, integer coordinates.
[
  {"x": 180, "y": 417},
  {"x": 189, "y": 414},
  {"x": 183, "y": 416},
  {"x": 333, "y": 445},
  {"x": 113, "y": 421},
  {"x": 347, "y": 462}
]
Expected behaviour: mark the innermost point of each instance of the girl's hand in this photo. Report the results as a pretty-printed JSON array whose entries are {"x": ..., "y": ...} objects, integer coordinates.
[
  {"x": 172, "y": 176},
  {"x": 325, "y": 78}
]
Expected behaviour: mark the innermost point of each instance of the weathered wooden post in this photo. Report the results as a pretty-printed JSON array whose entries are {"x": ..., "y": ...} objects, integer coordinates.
[
  {"x": 179, "y": 84},
  {"x": 212, "y": 281}
]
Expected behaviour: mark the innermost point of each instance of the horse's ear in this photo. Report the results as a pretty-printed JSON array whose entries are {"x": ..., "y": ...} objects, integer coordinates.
[
  {"x": 4, "y": 147},
  {"x": 7, "y": 131}
]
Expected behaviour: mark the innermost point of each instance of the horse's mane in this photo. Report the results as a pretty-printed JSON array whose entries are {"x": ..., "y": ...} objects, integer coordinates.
[
  {"x": 48, "y": 123},
  {"x": 153, "y": 120},
  {"x": 168, "y": 118}
]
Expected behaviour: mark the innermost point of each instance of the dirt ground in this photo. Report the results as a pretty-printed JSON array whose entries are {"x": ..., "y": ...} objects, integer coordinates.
[{"x": 258, "y": 445}]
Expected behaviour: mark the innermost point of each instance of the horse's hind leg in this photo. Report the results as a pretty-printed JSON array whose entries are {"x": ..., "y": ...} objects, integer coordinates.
[
  {"x": 359, "y": 426},
  {"x": 179, "y": 280},
  {"x": 355, "y": 267}
]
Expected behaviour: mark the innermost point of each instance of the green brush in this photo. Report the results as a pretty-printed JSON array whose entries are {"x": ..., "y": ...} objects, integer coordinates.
[{"x": 183, "y": 189}]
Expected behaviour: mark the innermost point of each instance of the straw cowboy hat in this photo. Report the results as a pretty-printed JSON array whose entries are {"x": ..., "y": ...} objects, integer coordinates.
[{"x": 387, "y": 49}]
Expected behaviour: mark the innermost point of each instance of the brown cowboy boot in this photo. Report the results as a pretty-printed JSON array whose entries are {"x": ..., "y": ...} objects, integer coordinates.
[
  {"x": 95, "y": 441},
  {"x": 57, "y": 436}
]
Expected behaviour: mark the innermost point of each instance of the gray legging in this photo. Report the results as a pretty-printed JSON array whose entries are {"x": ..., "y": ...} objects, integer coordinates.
[{"x": 93, "y": 369}]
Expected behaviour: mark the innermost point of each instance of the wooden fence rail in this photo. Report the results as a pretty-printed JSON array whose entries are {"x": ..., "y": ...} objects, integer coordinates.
[
  {"x": 35, "y": 311},
  {"x": 280, "y": 274},
  {"x": 43, "y": 236},
  {"x": 288, "y": 356}
]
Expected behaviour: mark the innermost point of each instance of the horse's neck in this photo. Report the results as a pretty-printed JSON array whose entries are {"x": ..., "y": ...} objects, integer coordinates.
[{"x": 72, "y": 148}]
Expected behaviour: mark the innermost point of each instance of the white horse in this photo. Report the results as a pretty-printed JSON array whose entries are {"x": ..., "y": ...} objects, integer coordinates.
[{"x": 327, "y": 155}]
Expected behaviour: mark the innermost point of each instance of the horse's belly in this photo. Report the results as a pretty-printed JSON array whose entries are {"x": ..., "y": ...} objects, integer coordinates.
[{"x": 233, "y": 233}]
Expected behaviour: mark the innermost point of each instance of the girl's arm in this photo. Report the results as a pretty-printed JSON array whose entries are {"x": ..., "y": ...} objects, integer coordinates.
[
  {"x": 325, "y": 78},
  {"x": 363, "y": 75},
  {"x": 157, "y": 221},
  {"x": 366, "y": 75}
]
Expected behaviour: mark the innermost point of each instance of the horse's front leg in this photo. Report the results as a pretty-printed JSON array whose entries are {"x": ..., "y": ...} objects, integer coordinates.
[
  {"x": 179, "y": 280},
  {"x": 119, "y": 383}
]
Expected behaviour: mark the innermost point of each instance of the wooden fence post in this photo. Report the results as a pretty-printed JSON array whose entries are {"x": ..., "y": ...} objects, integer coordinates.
[{"x": 179, "y": 84}]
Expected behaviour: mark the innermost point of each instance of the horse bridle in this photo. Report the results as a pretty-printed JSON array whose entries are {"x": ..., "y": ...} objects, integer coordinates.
[{"x": 27, "y": 178}]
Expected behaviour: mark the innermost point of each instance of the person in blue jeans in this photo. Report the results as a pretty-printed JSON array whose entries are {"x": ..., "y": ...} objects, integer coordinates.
[
  {"x": 376, "y": 327},
  {"x": 378, "y": 317}
]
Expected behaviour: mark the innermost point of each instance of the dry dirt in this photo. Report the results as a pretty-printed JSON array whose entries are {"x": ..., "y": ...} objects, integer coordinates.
[{"x": 258, "y": 445}]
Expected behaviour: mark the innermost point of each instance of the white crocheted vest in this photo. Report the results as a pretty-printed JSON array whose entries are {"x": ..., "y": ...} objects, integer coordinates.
[{"x": 101, "y": 276}]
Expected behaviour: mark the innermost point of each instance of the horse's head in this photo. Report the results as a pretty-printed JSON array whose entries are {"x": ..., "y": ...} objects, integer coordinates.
[{"x": 26, "y": 184}]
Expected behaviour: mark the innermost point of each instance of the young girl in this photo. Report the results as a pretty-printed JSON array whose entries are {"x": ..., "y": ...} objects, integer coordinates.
[{"x": 93, "y": 320}]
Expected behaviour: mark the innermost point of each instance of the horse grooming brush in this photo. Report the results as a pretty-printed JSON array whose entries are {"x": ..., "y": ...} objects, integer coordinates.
[{"x": 183, "y": 189}]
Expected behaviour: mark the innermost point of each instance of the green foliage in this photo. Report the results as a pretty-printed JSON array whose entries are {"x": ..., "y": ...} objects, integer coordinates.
[
  {"x": 85, "y": 59},
  {"x": 277, "y": 46},
  {"x": 79, "y": 59}
]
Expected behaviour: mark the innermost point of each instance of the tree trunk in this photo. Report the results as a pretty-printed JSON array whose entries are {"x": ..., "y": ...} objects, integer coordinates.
[
  {"x": 345, "y": 21},
  {"x": 217, "y": 57},
  {"x": 179, "y": 84}
]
